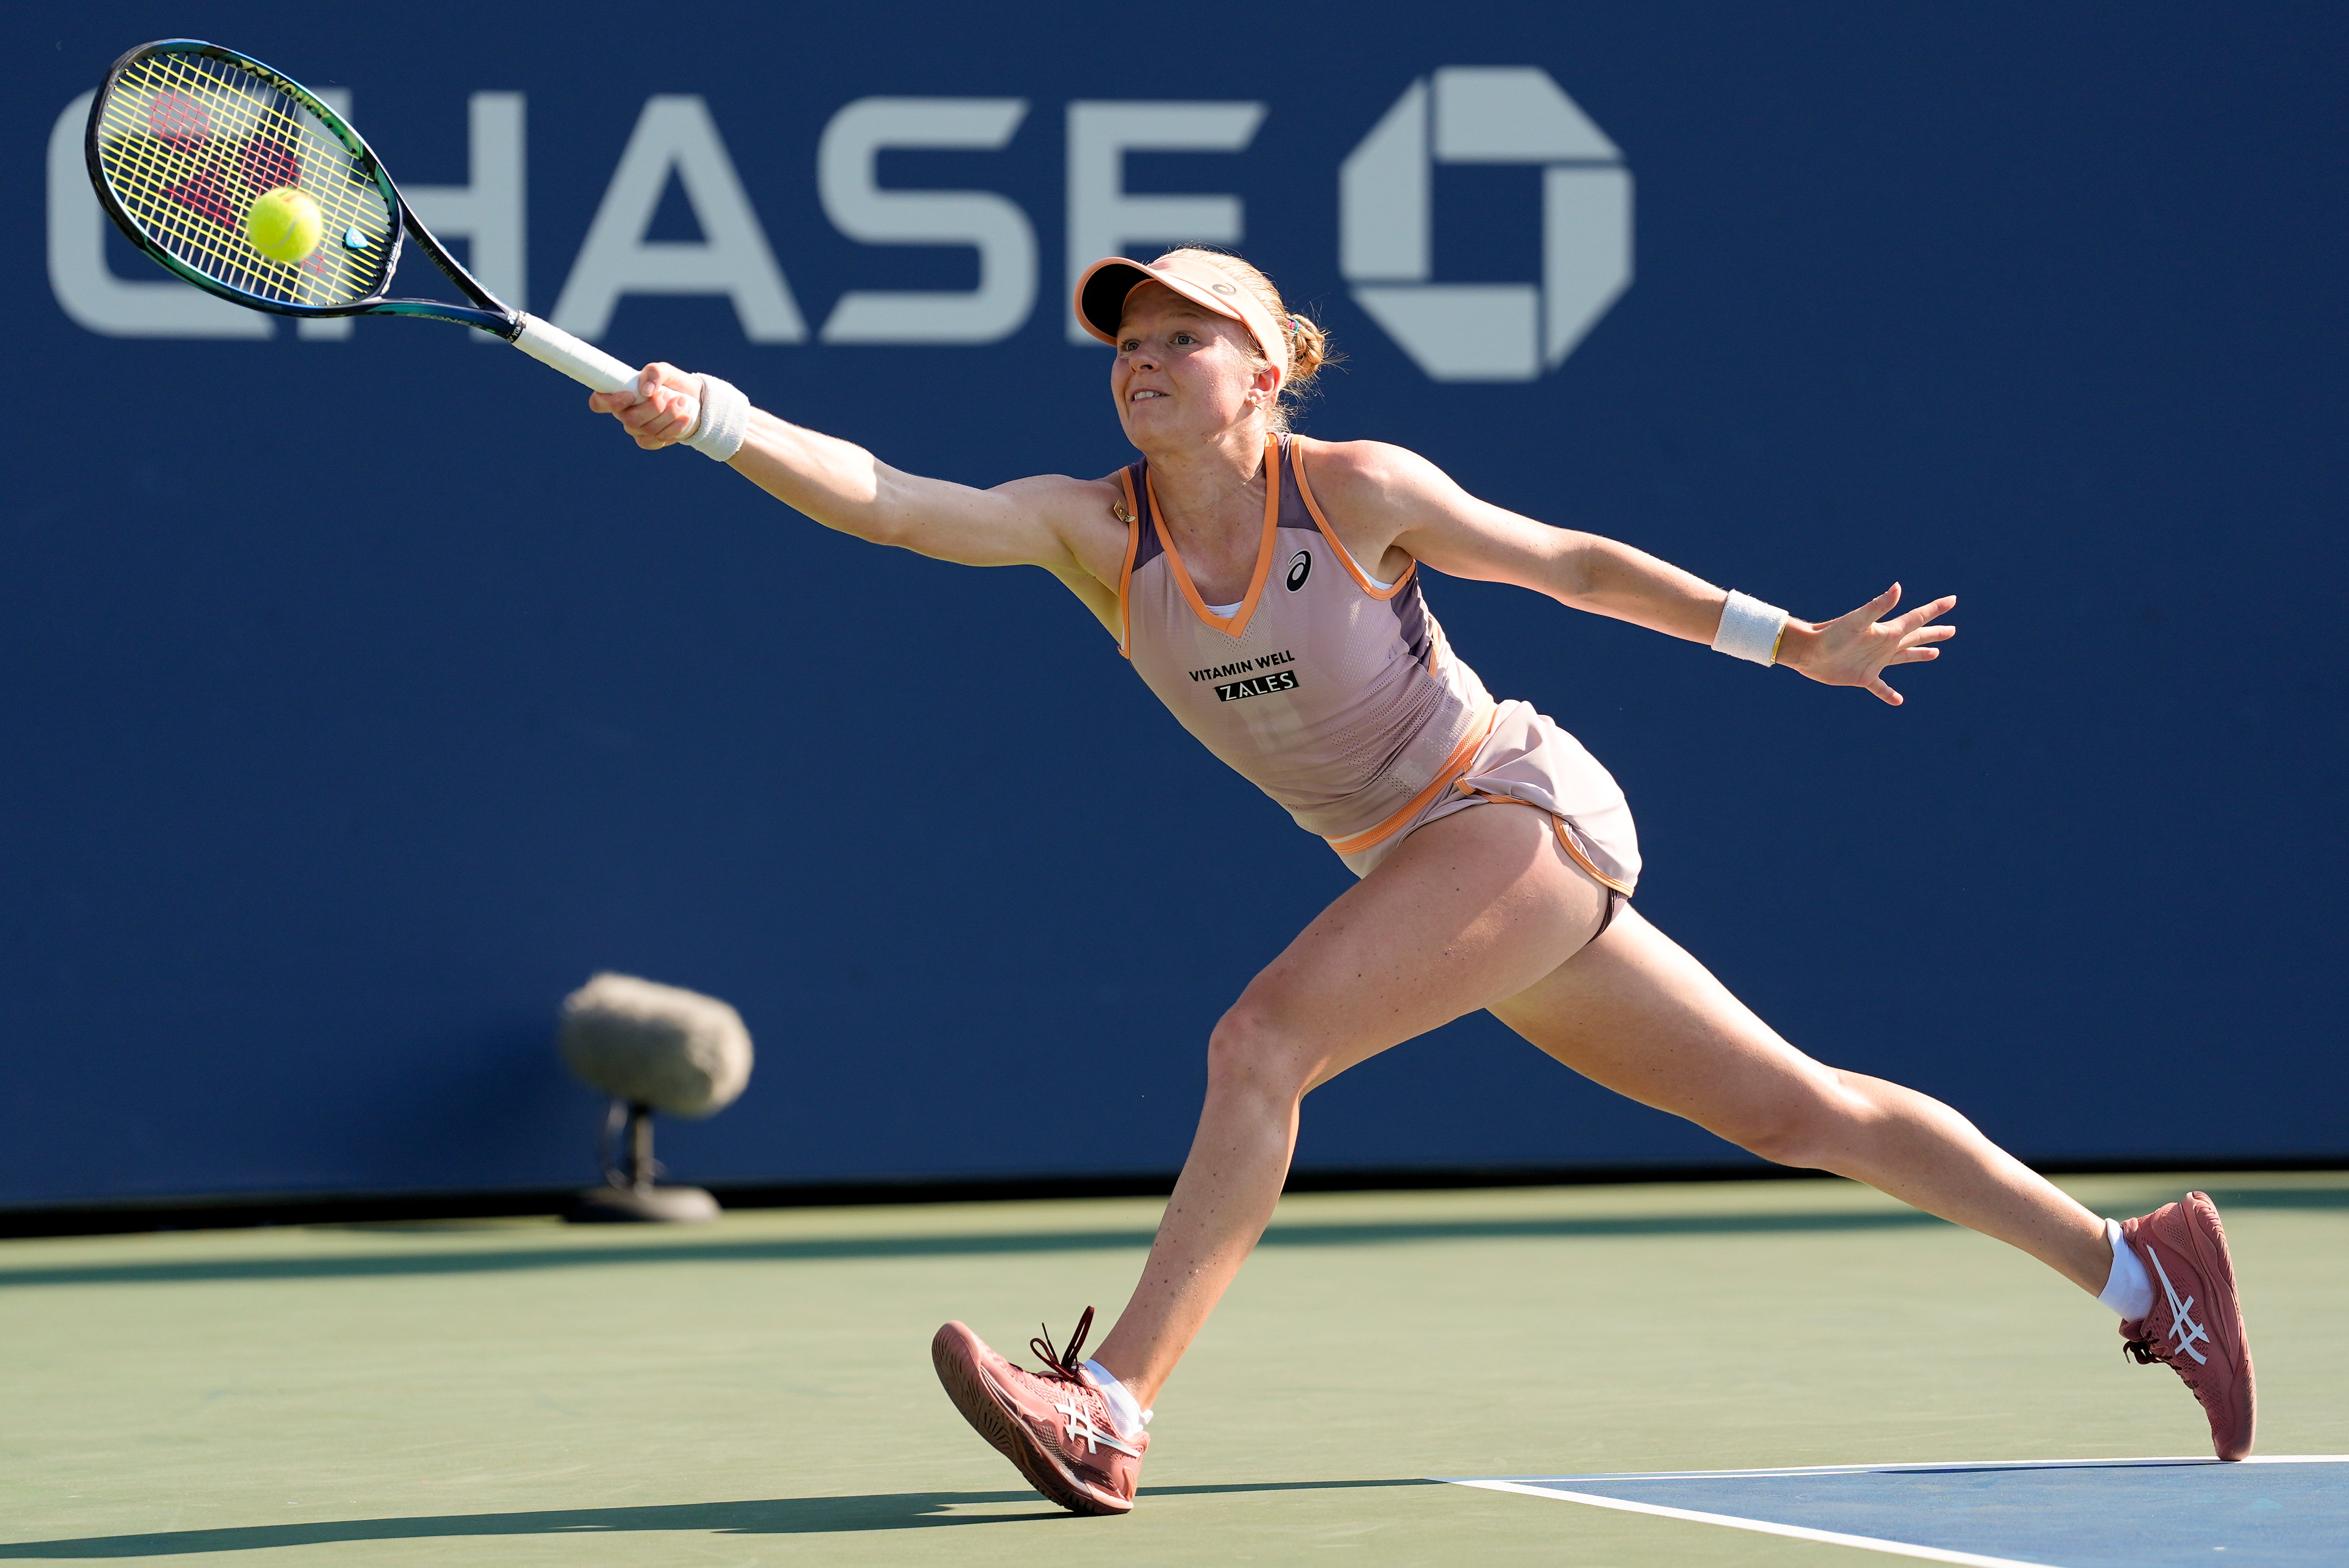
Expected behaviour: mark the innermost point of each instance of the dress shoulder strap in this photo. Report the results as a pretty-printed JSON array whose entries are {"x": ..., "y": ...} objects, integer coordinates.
[
  {"x": 1133, "y": 510},
  {"x": 1296, "y": 508},
  {"x": 1294, "y": 479},
  {"x": 1144, "y": 546}
]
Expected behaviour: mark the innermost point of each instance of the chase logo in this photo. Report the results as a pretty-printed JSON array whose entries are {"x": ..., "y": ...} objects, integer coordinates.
[
  {"x": 1485, "y": 332},
  {"x": 1457, "y": 115}
]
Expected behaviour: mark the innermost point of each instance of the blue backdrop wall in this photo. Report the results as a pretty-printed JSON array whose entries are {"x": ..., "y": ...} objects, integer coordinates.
[{"x": 360, "y": 695}]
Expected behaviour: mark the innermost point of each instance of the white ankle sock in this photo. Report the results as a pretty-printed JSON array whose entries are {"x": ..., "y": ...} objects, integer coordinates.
[
  {"x": 1130, "y": 1416},
  {"x": 2129, "y": 1291}
]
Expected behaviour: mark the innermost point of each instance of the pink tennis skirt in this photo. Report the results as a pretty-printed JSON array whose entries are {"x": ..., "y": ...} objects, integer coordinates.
[{"x": 1527, "y": 761}]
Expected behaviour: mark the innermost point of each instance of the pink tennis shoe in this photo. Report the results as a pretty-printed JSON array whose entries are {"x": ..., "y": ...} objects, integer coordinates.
[
  {"x": 1054, "y": 1426},
  {"x": 2196, "y": 1326}
]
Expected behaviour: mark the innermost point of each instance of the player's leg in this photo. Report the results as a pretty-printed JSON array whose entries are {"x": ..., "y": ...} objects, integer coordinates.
[
  {"x": 1636, "y": 1012},
  {"x": 1471, "y": 908}
]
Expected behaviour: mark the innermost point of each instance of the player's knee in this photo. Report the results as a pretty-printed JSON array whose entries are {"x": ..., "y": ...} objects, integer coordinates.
[
  {"x": 1249, "y": 1052},
  {"x": 1782, "y": 1141},
  {"x": 1805, "y": 1128}
]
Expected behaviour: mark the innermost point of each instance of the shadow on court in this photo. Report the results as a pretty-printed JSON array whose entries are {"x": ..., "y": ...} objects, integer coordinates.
[
  {"x": 2278, "y": 1198},
  {"x": 940, "y": 1245},
  {"x": 776, "y": 1516},
  {"x": 948, "y": 1244}
]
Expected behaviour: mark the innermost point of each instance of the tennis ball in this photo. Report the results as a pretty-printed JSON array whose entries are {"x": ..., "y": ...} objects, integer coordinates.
[{"x": 284, "y": 224}]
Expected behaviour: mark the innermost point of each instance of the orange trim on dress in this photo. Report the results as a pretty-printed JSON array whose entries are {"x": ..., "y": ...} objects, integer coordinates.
[
  {"x": 1565, "y": 839},
  {"x": 1462, "y": 756},
  {"x": 1236, "y": 624},
  {"x": 1125, "y": 577},
  {"x": 1345, "y": 556}
]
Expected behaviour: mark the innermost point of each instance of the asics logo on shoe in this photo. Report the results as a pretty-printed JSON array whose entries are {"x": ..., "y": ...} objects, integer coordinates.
[
  {"x": 1082, "y": 1430},
  {"x": 2181, "y": 1323}
]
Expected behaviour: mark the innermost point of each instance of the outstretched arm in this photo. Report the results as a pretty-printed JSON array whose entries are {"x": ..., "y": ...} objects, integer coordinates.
[
  {"x": 1430, "y": 518},
  {"x": 1593, "y": 572},
  {"x": 1027, "y": 522}
]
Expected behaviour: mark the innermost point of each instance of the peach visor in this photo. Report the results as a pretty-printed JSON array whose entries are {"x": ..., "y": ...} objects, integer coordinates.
[{"x": 1102, "y": 291}]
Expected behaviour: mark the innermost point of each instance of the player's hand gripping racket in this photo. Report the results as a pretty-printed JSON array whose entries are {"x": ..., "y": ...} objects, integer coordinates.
[{"x": 240, "y": 180}]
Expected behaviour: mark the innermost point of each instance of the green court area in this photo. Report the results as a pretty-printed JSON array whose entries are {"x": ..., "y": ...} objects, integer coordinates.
[{"x": 758, "y": 1391}]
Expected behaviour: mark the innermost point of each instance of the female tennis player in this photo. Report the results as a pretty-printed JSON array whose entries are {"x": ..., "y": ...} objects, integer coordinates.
[{"x": 1268, "y": 589}]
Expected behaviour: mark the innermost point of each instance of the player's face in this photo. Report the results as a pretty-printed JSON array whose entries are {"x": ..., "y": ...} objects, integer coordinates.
[{"x": 1182, "y": 374}]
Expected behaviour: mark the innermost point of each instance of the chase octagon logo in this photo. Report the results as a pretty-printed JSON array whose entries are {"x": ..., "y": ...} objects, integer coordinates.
[{"x": 1485, "y": 332}]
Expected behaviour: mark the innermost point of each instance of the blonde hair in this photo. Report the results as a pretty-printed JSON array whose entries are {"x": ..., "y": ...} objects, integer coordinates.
[{"x": 1309, "y": 346}]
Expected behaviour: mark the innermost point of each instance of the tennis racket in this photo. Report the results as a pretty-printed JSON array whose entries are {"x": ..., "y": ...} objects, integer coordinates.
[{"x": 185, "y": 137}]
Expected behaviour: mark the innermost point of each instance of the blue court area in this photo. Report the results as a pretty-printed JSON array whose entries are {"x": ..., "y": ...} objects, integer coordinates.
[{"x": 2281, "y": 1512}]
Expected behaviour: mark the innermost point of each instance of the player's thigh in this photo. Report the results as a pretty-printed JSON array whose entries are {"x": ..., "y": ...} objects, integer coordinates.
[
  {"x": 1470, "y": 908},
  {"x": 1635, "y": 1013}
]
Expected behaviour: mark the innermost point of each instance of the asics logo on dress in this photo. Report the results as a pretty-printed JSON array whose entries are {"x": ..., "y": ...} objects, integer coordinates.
[
  {"x": 1300, "y": 567},
  {"x": 1082, "y": 1430},
  {"x": 2181, "y": 1323}
]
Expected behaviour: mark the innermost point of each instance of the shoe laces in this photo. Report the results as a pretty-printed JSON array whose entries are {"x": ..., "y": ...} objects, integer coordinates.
[
  {"x": 2149, "y": 1350},
  {"x": 1063, "y": 1364}
]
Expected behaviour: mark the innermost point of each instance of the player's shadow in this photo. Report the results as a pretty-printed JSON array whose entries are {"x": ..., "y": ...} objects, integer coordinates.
[
  {"x": 774, "y": 1516},
  {"x": 769, "y": 1249}
]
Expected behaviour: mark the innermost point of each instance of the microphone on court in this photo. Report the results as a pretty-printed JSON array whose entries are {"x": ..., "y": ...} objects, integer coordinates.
[{"x": 652, "y": 1047}]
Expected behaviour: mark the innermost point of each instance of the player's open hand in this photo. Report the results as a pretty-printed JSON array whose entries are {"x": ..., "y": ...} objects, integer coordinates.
[
  {"x": 1854, "y": 650},
  {"x": 660, "y": 411}
]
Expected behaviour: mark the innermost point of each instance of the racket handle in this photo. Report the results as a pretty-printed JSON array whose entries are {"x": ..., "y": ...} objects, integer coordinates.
[{"x": 582, "y": 361}]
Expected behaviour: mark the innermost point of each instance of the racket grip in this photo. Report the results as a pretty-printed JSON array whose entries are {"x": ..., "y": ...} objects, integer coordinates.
[{"x": 581, "y": 360}]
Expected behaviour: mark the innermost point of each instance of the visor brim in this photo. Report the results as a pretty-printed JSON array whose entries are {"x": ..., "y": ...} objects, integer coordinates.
[
  {"x": 1102, "y": 293},
  {"x": 1108, "y": 283}
]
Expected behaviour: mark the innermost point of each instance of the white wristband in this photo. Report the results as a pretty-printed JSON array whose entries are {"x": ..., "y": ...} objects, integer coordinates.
[
  {"x": 1750, "y": 629},
  {"x": 725, "y": 421}
]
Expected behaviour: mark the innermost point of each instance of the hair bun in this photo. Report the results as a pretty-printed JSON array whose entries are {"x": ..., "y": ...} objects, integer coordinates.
[{"x": 1308, "y": 350}]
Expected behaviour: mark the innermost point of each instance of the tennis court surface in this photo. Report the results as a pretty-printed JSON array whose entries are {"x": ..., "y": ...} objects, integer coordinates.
[{"x": 758, "y": 1391}]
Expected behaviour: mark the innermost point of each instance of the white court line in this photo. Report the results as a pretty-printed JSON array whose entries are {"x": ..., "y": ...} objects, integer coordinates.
[
  {"x": 1764, "y": 1526},
  {"x": 1912, "y": 1465},
  {"x": 1554, "y": 1488}
]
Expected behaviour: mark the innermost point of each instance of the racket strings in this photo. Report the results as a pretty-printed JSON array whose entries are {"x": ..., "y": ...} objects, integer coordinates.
[{"x": 187, "y": 143}]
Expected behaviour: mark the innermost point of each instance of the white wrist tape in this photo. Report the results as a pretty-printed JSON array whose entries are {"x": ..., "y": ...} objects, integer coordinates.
[
  {"x": 1750, "y": 629},
  {"x": 725, "y": 421}
]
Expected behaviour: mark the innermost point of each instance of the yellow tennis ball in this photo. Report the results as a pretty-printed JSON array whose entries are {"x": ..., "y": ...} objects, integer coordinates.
[{"x": 284, "y": 224}]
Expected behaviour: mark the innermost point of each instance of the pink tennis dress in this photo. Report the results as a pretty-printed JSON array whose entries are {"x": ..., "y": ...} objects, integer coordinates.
[{"x": 1340, "y": 698}]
